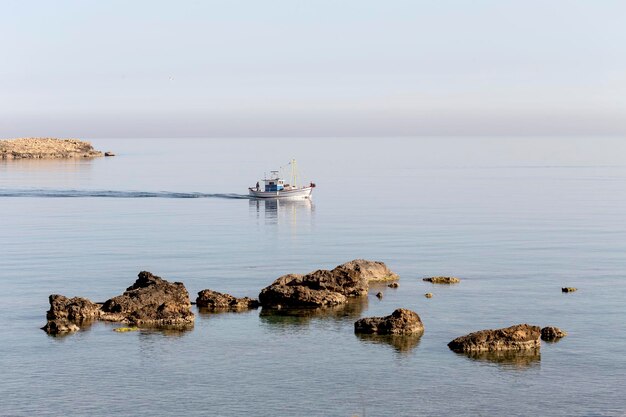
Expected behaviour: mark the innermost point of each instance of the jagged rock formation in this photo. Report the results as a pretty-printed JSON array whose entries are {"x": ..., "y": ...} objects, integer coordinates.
[
  {"x": 372, "y": 271},
  {"x": 217, "y": 301},
  {"x": 400, "y": 322},
  {"x": 323, "y": 287},
  {"x": 150, "y": 301},
  {"x": 31, "y": 148},
  {"x": 518, "y": 337}
]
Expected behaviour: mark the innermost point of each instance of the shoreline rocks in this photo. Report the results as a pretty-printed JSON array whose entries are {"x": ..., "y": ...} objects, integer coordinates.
[
  {"x": 442, "y": 280},
  {"x": 401, "y": 322},
  {"x": 518, "y": 337},
  {"x": 323, "y": 287},
  {"x": 150, "y": 301},
  {"x": 46, "y": 148},
  {"x": 217, "y": 301}
]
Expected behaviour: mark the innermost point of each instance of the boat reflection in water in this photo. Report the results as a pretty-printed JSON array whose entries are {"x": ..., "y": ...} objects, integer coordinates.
[{"x": 277, "y": 211}]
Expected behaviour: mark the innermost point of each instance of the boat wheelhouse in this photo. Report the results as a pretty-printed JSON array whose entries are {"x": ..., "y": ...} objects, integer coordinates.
[{"x": 275, "y": 187}]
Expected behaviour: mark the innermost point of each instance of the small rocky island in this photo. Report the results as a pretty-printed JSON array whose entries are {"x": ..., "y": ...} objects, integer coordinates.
[
  {"x": 46, "y": 148},
  {"x": 150, "y": 302},
  {"x": 324, "y": 288}
]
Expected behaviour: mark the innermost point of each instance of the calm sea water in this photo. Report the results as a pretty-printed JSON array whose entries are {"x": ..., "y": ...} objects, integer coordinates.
[{"x": 516, "y": 219}]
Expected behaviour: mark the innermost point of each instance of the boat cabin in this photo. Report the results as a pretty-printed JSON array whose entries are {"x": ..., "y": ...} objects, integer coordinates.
[{"x": 274, "y": 183}]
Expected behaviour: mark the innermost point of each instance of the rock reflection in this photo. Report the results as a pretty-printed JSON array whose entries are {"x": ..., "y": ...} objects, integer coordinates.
[
  {"x": 401, "y": 343},
  {"x": 208, "y": 312},
  {"x": 279, "y": 318},
  {"x": 523, "y": 359}
]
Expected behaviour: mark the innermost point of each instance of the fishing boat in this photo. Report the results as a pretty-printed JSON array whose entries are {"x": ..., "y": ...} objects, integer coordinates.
[{"x": 275, "y": 186}]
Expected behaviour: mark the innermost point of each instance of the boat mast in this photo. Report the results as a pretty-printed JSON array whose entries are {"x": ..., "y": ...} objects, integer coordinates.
[{"x": 294, "y": 173}]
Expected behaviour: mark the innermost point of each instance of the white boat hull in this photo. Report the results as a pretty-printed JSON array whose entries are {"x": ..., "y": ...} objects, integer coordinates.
[{"x": 297, "y": 194}]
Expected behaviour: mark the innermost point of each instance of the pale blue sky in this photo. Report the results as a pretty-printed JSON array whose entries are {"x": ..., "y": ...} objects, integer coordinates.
[{"x": 312, "y": 68}]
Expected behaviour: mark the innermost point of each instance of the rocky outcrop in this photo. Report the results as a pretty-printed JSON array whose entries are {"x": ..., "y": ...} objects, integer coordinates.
[
  {"x": 518, "y": 337},
  {"x": 393, "y": 285},
  {"x": 316, "y": 289},
  {"x": 60, "y": 326},
  {"x": 34, "y": 148},
  {"x": 150, "y": 301},
  {"x": 323, "y": 287},
  {"x": 442, "y": 280},
  {"x": 569, "y": 289},
  {"x": 216, "y": 301},
  {"x": 372, "y": 271},
  {"x": 66, "y": 314},
  {"x": 551, "y": 333},
  {"x": 400, "y": 322},
  {"x": 75, "y": 309}
]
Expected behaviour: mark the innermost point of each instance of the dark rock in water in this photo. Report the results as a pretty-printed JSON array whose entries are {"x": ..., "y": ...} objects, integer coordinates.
[
  {"x": 569, "y": 289},
  {"x": 518, "y": 337},
  {"x": 109, "y": 153},
  {"x": 151, "y": 301},
  {"x": 317, "y": 289},
  {"x": 400, "y": 322},
  {"x": 380, "y": 295},
  {"x": 550, "y": 333},
  {"x": 442, "y": 280},
  {"x": 323, "y": 288},
  {"x": 75, "y": 309},
  {"x": 393, "y": 285},
  {"x": 216, "y": 301},
  {"x": 428, "y": 295},
  {"x": 60, "y": 326},
  {"x": 372, "y": 271}
]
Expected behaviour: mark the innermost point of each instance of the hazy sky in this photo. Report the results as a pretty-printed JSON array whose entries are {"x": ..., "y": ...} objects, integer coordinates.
[{"x": 312, "y": 68}]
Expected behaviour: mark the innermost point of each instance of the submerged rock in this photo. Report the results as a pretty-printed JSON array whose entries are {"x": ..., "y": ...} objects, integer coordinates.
[
  {"x": 428, "y": 295},
  {"x": 400, "y": 322},
  {"x": 217, "y": 301},
  {"x": 109, "y": 153},
  {"x": 150, "y": 301},
  {"x": 442, "y": 280},
  {"x": 551, "y": 333},
  {"x": 380, "y": 295},
  {"x": 569, "y": 289},
  {"x": 393, "y": 285},
  {"x": 518, "y": 337}
]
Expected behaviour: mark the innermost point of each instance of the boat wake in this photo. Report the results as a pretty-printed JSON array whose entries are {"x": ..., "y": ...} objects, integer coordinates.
[{"x": 111, "y": 194}]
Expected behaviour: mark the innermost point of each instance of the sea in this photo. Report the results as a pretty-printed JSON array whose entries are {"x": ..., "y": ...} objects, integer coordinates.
[{"x": 515, "y": 218}]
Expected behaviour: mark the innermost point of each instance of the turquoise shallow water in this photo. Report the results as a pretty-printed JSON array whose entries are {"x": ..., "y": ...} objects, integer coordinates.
[{"x": 517, "y": 219}]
